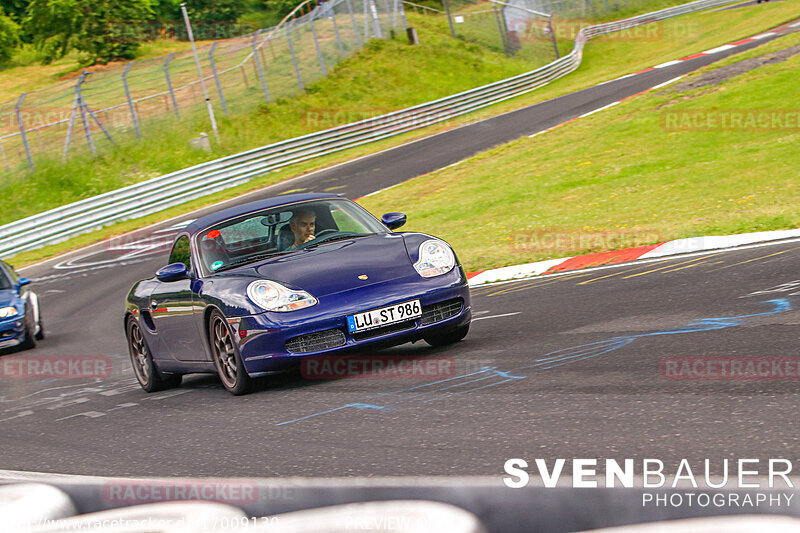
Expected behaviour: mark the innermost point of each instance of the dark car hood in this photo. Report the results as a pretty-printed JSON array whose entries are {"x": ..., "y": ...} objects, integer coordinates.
[
  {"x": 8, "y": 298},
  {"x": 335, "y": 267}
]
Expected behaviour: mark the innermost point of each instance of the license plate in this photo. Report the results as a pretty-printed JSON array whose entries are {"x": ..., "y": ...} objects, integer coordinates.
[{"x": 383, "y": 316}]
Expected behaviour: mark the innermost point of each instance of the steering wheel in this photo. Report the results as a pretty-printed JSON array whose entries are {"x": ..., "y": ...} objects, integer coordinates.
[{"x": 324, "y": 232}]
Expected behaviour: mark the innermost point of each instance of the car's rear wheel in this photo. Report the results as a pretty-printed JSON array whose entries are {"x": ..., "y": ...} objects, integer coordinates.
[
  {"x": 450, "y": 337},
  {"x": 229, "y": 365},
  {"x": 143, "y": 366}
]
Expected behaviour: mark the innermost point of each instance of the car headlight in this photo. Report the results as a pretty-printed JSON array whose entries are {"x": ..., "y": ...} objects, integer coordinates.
[
  {"x": 272, "y": 296},
  {"x": 8, "y": 312},
  {"x": 435, "y": 259}
]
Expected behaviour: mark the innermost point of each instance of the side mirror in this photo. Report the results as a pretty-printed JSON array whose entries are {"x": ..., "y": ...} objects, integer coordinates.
[
  {"x": 173, "y": 272},
  {"x": 394, "y": 220},
  {"x": 22, "y": 282}
]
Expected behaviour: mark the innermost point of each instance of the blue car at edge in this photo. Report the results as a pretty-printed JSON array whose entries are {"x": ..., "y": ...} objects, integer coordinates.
[
  {"x": 250, "y": 290},
  {"x": 20, "y": 316}
]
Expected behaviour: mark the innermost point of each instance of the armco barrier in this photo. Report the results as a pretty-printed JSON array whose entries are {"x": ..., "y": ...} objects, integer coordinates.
[{"x": 178, "y": 187}]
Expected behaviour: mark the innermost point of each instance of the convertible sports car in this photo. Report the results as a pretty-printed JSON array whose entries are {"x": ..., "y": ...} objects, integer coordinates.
[
  {"x": 20, "y": 318},
  {"x": 252, "y": 289}
]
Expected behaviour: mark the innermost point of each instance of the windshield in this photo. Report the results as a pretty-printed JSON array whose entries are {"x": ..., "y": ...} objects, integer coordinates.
[
  {"x": 283, "y": 230},
  {"x": 5, "y": 283}
]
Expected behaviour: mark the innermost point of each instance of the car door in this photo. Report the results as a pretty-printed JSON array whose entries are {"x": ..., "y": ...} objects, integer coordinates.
[{"x": 172, "y": 306}]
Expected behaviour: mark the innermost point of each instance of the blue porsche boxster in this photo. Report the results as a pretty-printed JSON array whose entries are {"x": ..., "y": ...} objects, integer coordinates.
[
  {"x": 251, "y": 290},
  {"x": 20, "y": 316}
]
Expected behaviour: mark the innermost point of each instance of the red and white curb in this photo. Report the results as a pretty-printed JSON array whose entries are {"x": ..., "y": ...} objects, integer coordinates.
[{"x": 677, "y": 247}]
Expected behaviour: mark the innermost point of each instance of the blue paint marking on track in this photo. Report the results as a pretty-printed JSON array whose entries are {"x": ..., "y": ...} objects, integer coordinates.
[{"x": 549, "y": 360}]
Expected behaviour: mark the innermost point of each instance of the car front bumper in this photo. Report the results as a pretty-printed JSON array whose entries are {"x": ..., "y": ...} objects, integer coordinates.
[
  {"x": 271, "y": 342},
  {"x": 12, "y": 331}
]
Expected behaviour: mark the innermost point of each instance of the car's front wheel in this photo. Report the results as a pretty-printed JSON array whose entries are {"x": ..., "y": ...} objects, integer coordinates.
[
  {"x": 142, "y": 360},
  {"x": 29, "y": 339},
  {"x": 450, "y": 337},
  {"x": 229, "y": 365}
]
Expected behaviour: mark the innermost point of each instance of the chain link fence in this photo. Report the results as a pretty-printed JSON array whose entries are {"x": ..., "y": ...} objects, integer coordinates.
[{"x": 97, "y": 109}]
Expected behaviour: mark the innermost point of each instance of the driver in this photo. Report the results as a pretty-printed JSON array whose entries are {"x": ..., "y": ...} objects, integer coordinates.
[{"x": 302, "y": 224}]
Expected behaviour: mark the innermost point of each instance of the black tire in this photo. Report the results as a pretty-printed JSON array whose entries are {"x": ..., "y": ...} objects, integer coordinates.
[
  {"x": 450, "y": 337},
  {"x": 40, "y": 327},
  {"x": 29, "y": 341},
  {"x": 148, "y": 376},
  {"x": 226, "y": 356}
]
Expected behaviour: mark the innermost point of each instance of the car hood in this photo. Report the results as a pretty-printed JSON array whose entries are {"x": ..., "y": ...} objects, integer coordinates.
[
  {"x": 8, "y": 298},
  {"x": 336, "y": 267}
]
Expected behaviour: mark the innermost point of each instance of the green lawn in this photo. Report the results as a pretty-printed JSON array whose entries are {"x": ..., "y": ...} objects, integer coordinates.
[{"x": 621, "y": 177}]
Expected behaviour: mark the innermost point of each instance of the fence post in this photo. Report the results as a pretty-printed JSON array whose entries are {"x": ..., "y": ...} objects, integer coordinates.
[
  {"x": 553, "y": 36},
  {"x": 169, "y": 84},
  {"x": 316, "y": 45},
  {"x": 449, "y": 19},
  {"x": 373, "y": 11},
  {"x": 86, "y": 127},
  {"x": 500, "y": 28},
  {"x": 216, "y": 77},
  {"x": 336, "y": 32},
  {"x": 22, "y": 130},
  {"x": 403, "y": 12},
  {"x": 257, "y": 59},
  {"x": 71, "y": 127},
  {"x": 294, "y": 58},
  {"x": 353, "y": 21},
  {"x": 130, "y": 104},
  {"x": 386, "y": 8},
  {"x": 366, "y": 22}
]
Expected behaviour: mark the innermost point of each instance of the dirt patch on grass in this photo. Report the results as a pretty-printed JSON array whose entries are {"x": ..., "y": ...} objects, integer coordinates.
[{"x": 722, "y": 74}]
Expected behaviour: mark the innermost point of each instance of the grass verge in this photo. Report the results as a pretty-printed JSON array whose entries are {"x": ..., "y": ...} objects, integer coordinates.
[{"x": 652, "y": 169}]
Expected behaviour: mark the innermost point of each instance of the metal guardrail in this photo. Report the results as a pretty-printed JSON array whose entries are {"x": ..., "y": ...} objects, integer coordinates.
[{"x": 172, "y": 189}]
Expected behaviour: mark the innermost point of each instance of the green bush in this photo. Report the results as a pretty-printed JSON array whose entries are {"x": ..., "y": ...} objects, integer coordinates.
[{"x": 9, "y": 37}]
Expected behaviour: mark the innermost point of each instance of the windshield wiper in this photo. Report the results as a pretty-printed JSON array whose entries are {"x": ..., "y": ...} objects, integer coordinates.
[
  {"x": 335, "y": 238},
  {"x": 251, "y": 259}
]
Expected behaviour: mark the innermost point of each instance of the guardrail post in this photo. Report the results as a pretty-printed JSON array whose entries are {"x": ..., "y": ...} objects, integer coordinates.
[
  {"x": 294, "y": 59},
  {"x": 17, "y": 110},
  {"x": 336, "y": 32},
  {"x": 169, "y": 84},
  {"x": 353, "y": 21},
  {"x": 316, "y": 45},
  {"x": 130, "y": 103},
  {"x": 216, "y": 77},
  {"x": 257, "y": 59}
]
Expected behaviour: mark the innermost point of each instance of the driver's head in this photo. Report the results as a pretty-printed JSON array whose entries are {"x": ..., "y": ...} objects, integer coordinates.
[{"x": 303, "y": 224}]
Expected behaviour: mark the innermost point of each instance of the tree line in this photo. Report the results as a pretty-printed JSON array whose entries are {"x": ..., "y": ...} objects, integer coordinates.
[{"x": 107, "y": 30}]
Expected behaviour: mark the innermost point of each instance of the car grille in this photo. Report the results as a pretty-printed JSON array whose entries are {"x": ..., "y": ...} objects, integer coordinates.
[
  {"x": 441, "y": 311},
  {"x": 315, "y": 342}
]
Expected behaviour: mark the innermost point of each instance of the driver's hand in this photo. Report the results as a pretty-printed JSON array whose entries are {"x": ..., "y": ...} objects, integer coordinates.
[{"x": 309, "y": 238}]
